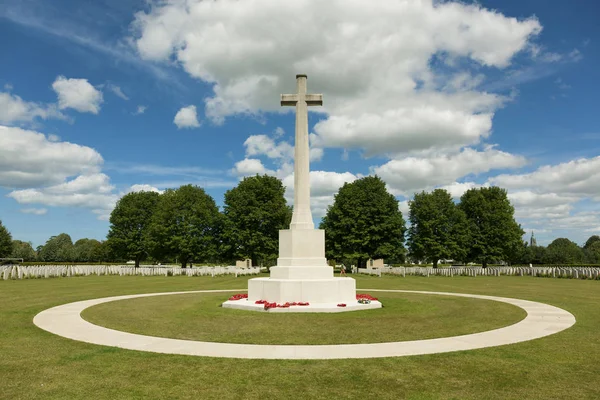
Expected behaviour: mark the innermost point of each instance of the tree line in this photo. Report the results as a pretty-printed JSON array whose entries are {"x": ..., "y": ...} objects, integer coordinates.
[{"x": 185, "y": 225}]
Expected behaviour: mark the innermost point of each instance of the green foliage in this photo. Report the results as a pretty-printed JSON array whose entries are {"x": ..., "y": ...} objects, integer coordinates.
[
  {"x": 186, "y": 225},
  {"x": 534, "y": 255},
  {"x": 255, "y": 210},
  {"x": 6, "y": 245},
  {"x": 57, "y": 249},
  {"x": 87, "y": 250},
  {"x": 439, "y": 229},
  {"x": 564, "y": 251},
  {"x": 23, "y": 250},
  {"x": 129, "y": 223},
  {"x": 590, "y": 242},
  {"x": 495, "y": 235},
  {"x": 592, "y": 253},
  {"x": 364, "y": 222}
]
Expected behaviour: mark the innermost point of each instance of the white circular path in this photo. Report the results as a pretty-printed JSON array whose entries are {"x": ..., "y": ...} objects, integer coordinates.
[{"x": 541, "y": 320}]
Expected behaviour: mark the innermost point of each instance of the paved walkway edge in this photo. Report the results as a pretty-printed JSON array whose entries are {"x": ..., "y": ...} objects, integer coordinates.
[{"x": 541, "y": 320}]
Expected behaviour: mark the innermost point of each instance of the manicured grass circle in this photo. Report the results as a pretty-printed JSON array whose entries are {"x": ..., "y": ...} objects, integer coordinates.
[{"x": 405, "y": 316}]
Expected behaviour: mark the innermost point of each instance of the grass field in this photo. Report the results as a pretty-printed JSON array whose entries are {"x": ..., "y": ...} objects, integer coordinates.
[
  {"x": 35, "y": 364},
  {"x": 405, "y": 316}
]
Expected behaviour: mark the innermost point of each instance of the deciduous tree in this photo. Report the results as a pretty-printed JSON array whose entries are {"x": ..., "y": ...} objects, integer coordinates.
[
  {"x": 255, "y": 210},
  {"x": 129, "y": 223},
  {"x": 6, "y": 245},
  {"x": 495, "y": 234},
  {"x": 186, "y": 225},
  {"x": 86, "y": 250},
  {"x": 57, "y": 249},
  {"x": 564, "y": 251},
  {"x": 438, "y": 228},
  {"x": 23, "y": 250},
  {"x": 591, "y": 240},
  {"x": 364, "y": 222}
]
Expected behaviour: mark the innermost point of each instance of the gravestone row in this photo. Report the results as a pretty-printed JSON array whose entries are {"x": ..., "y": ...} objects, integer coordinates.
[{"x": 52, "y": 271}]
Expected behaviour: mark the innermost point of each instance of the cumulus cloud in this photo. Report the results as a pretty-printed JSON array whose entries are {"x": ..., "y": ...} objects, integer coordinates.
[
  {"x": 30, "y": 159},
  {"x": 373, "y": 63},
  {"x": 92, "y": 191},
  {"x": 77, "y": 94},
  {"x": 143, "y": 188},
  {"x": 186, "y": 117},
  {"x": 412, "y": 174},
  {"x": 249, "y": 167},
  {"x": 323, "y": 186},
  {"x": 14, "y": 109},
  {"x": 257, "y": 145},
  {"x": 578, "y": 178}
]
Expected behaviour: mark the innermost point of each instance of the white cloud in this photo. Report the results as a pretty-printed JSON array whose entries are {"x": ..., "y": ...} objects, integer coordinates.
[
  {"x": 412, "y": 174},
  {"x": 258, "y": 145},
  {"x": 30, "y": 159},
  {"x": 457, "y": 189},
  {"x": 34, "y": 211},
  {"x": 249, "y": 167},
  {"x": 143, "y": 188},
  {"x": 373, "y": 64},
  {"x": 186, "y": 117},
  {"x": 92, "y": 191},
  {"x": 579, "y": 178},
  {"x": 140, "y": 110},
  {"x": 77, "y": 94},
  {"x": 13, "y": 109},
  {"x": 323, "y": 186},
  {"x": 117, "y": 91}
]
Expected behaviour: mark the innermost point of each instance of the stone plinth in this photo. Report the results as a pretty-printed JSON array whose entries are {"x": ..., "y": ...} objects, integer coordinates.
[
  {"x": 312, "y": 308},
  {"x": 333, "y": 290}
]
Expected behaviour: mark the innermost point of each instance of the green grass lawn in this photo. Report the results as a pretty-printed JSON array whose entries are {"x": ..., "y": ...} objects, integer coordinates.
[
  {"x": 35, "y": 364},
  {"x": 404, "y": 317}
]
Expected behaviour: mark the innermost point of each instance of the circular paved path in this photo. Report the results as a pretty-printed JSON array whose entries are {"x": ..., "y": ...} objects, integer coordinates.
[{"x": 542, "y": 320}]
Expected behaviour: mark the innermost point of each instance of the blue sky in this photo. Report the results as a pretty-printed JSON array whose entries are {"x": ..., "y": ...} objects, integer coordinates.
[{"x": 425, "y": 95}]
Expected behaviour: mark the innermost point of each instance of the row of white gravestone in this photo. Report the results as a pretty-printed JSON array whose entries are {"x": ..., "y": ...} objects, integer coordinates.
[
  {"x": 552, "y": 272},
  {"x": 51, "y": 271}
]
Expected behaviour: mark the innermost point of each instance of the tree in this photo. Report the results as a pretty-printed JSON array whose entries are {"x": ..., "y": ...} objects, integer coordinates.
[
  {"x": 129, "y": 223},
  {"x": 23, "y": 250},
  {"x": 364, "y": 222},
  {"x": 186, "y": 225},
  {"x": 438, "y": 228},
  {"x": 564, "y": 251},
  {"x": 495, "y": 234},
  {"x": 6, "y": 245},
  {"x": 57, "y": 249},
  {"x": 535, "y": 255},
  {"x": 591, "y": 240},
  {"x": 86, "y": 250},
  {"x": 255, "y": 210},
  {"x": 593, "y": 253}
]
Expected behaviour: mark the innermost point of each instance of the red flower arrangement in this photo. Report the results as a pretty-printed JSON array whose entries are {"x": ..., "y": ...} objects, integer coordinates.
[
  {"x": 238, "y": 297},
  {"x": 268, "y": 305},
  {"x": 365, "y": 297}
]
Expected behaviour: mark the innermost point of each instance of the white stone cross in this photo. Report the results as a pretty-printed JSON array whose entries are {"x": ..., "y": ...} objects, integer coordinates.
[{"x": 302, "y": 216}]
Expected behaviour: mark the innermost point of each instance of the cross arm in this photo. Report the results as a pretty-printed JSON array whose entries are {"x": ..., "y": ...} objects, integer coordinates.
[
  {"x": 289, "y": 99},
  {"x": 314, "y": 99},
  {"x": 311, "y": 99}
]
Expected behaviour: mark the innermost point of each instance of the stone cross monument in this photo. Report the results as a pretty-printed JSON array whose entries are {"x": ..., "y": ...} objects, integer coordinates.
[
  {"x": 302, "y": 273},
  {"x": 302, "y": 217}
]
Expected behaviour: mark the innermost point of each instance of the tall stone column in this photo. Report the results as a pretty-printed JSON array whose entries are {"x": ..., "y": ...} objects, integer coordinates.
[{"x": 302, "y": 217}]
